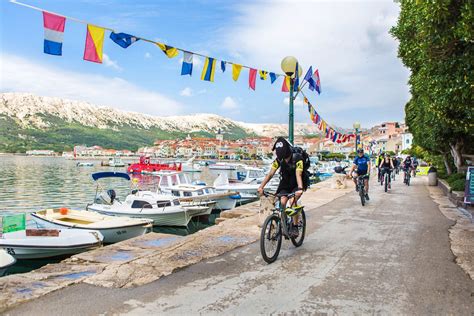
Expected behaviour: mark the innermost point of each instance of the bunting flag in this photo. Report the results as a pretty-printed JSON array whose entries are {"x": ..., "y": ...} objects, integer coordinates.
[
  {"x": 309, "y": 78},
  {"x": 122, "y": 39},
  {"x": 236, "y": 68},
  {"x": 252, "y": 78},
  {"x": 187, "y": 67},
  {"x": 168, "y": 50},
  {"x": 94, "y": 43},
  {"x": 209, "y": 69},
  {"x": 273, "y": 77},
  {"x": 263, "y": 74},
  {"x": 297, "y": 79},
  {"x": 286, "y": 84},
  {"x": 318, "y": 81},
  {"x": 53, "y": 33},
  {"x": 223, "y": 66}
]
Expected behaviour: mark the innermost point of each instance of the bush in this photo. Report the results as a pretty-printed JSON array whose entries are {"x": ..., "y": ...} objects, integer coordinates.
[
  {"x": 456, "y": 176},
  {"x": 458, "y": 185}
]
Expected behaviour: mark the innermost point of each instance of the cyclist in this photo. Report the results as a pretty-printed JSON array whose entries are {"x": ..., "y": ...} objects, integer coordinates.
[
  {"x": 396, "y": 164},
  {"x": 377, "y": 164},
  {"x": 407, "y": 166},
  {"x": 291, "y": 175},
  {"x": 415, "y": 165},
  {"x": 363, "y": 165},
  {"x": 386, "y": 166}
]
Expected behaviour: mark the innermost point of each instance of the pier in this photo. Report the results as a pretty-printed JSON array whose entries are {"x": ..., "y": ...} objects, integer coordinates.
[{"x": 408, "y": 251}]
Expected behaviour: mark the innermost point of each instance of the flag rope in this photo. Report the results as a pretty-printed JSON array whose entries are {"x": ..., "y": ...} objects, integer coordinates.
[{"x": 138, "y": 37}]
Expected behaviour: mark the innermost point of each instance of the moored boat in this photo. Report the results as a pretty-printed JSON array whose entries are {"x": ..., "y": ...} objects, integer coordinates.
[
  {"x": 114, "y": 229},
  {"x": 145, "y": 165},
  {"x": 6, "y": 261},
  {"x": 85, "y": 164},
  {"x": 28, "y": 244}
]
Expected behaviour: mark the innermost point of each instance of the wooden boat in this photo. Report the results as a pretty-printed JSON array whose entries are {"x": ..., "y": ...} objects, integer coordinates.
[
  {"x": 6, "y": 261},
  {"x": 114, "y": 229},
  {"x": 34, "y": 244}
]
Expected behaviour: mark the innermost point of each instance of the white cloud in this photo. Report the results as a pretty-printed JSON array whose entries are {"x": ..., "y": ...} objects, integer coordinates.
[
  {"x": 111, "y": 63},
  {"x": 347, "y": 41},
  {"x": 298, "y": 101},
  {"x": 21, "y": 75},
  {"x": 186, "y": 92},
  {"x": 229, "y": 104},
  {"x": 147, "y": 55}
]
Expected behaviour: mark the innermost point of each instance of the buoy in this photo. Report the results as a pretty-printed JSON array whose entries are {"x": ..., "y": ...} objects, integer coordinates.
[{"x": 63, "y": 210}]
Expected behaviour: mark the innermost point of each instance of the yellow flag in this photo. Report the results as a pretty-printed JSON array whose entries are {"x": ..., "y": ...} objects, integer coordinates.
[
  {"x": 236, "y": 71},
  {"x": 263, "y": 74},
  {"x": 168, "y": 50}
]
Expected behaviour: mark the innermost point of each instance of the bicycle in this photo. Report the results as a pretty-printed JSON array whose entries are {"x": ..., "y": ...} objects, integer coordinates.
[
  {"x": 386, "y": 178},
  {"x": 361, "y": 188},
  {"x": 273, "y": 230},
  {"x": 407, "y": 177}
]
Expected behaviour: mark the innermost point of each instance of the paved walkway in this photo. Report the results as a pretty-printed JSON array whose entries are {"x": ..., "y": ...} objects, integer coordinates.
[{"x": 390, "y": 257}]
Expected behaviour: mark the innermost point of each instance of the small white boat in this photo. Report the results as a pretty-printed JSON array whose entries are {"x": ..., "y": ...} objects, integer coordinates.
[
  {"x": 251, "y": 175},
  {"x": 114, "y": 229},
  {"x": 164, "y": 210},
  {"x": 23, "y": 245},
  {"x": 225, "y": 166},
  {"x": 248, "y": 191},
  {"x": 178, "y": 185},
  {"x": 190, "y": 166},
  {"x": 116, "y": 162},
  {"x": 6, "y": 261},
  {"x": 85, "y": 164}
]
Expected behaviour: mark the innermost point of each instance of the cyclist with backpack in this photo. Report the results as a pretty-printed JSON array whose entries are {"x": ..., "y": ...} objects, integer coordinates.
[
  {"x": 386, "y": 166},
  {"x": 361, "y": 167},
  {"x": 293, "y": 176}
]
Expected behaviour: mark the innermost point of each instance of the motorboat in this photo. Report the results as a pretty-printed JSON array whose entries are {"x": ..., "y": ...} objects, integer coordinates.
[
  {"x": 224, "y": 166},
  {"x": 178, "y": 185},
  {"x": 115, "y": 162},
  {"x": 251, "y": 175},
  {"x": 6, "y": 261},
  {"x": 114, "y": 229},
  {"x": 190, "y": 166},
  {"x": 35, "y": 244},
  {"x": 145, "y": 165},
  {"x": 164, "y": 210},
  {"x": 248, "y": 191},
  {"x": 85, "y": 164}
]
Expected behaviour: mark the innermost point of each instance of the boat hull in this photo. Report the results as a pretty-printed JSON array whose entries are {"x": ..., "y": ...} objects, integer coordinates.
[
  {"x": 225, "y": 204},
  {"x": 111, "y": 235},
  {"x": 31, "y": 252},
  {"x": 6, "y": 261}
]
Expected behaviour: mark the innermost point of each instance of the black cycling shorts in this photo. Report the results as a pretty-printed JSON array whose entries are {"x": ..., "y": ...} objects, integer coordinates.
[
  {"x": 284, "y": 188},
  {"x": 361, "y": 172}
]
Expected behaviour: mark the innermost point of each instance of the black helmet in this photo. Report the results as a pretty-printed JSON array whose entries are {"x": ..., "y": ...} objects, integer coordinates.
[
  {"x": 360, "y": 150},
  {"x": 282, "y": 148}
]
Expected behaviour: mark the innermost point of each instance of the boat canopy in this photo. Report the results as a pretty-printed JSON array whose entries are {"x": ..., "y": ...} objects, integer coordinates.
[{"x": 110, "y": 174}]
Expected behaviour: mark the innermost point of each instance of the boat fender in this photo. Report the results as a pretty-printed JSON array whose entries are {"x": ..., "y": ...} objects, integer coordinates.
[
  {"x": 235, "y": 197},
  {"x": 63, "y": 210}
]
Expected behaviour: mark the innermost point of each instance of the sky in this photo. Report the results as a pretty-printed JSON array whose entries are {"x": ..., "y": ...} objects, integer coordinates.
[{"x": 348, "y": 41}]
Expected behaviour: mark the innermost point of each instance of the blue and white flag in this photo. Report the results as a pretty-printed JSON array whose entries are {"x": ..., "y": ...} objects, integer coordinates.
[
  {"x": 187, "y": 68},
  {"x": 309, "y": 78},
  {"x": 122, "y": 39}
]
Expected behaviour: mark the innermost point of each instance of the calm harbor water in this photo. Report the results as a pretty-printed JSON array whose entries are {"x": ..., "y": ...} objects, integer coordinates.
[{"x": 28, "y": 184}]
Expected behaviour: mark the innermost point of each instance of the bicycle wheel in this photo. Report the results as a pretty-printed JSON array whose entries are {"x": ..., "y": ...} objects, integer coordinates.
[
  {"x": 270, "y": 238},
  {"x": 298, "y": 241},
  {"x": 386, "y": 182},
  {"x": 362, "y": 195},
  {"x": 408, "y": 180}
]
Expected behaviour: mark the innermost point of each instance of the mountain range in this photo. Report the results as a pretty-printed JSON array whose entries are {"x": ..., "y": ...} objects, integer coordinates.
[{"x": 29, "y": 121}]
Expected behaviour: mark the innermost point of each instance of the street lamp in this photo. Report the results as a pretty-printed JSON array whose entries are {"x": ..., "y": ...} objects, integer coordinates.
[
  {"x": 356, "y": 126},
  {"x": 288, "y": 65}
]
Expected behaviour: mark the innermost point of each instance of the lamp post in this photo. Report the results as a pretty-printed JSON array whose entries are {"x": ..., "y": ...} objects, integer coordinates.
[
  {"x": 356, "y": 126},
  {"x": 288, "y": 65}
]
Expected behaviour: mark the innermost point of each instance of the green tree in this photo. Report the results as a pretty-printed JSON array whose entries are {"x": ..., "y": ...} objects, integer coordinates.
[{"x": 436, "y": 44}]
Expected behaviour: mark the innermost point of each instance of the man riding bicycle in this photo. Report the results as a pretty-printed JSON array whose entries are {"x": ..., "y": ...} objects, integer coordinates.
[
  {"x": 386, "y": 166},
  {"x": 377, "y": 164},
  {"x": 407, "y": 166},
  {"x": 291, "y": 175},
  {"x": 362, "y": 165}
]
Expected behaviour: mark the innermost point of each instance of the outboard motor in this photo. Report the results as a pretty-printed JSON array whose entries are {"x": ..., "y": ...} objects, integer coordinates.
[
  {"x": 106, "y": 197},
  {"x": 340, "y": 170}
]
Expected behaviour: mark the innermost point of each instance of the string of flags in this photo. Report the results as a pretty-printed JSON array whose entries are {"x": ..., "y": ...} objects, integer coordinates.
[
  {"x": 328, "y": 131},
  {"x": 54, "y": 26}
]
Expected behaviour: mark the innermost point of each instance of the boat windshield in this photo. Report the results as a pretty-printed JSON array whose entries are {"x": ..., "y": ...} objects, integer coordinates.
[
  {"x": 183, "y": 179},
  {"x": 163, "y": 203},
  {"x": 175, "y": 193}
]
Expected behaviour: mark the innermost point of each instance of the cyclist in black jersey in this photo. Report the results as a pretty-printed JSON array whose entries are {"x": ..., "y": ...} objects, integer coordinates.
[{"x": 386, "y": 166}]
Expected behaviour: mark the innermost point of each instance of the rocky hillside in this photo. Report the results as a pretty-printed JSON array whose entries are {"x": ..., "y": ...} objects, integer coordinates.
[{"x": 32, "y": 122}]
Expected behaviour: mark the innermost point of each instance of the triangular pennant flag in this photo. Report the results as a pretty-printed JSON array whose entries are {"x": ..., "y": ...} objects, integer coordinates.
[
  {"x": 53, "y": 33},
  {"x": 223, "y": 65},
  {"x": 209, "y": 69},
  {"x": 122, "y": 39},
  {"x": 187, "y": 68},
  {"x": 94, "y": 43},
  {"x": 263, "y": 74},
  {"x": 236, "y": 68},
  {"x": 168, "y": 50},
  {"x": 273, "y": 77},
  {"x": 252, "y": 78}
]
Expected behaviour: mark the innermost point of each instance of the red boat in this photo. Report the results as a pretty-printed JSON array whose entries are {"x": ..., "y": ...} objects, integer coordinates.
[{"x": 146, "y": 166}]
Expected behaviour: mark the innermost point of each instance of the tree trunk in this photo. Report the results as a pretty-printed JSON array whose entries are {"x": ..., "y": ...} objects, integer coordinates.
[
  {"x": 447, "y": 165},
  {"x": 456, "y": 152}
]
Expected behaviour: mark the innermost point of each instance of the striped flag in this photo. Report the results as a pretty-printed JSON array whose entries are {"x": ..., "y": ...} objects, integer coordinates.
[
  {"x": 187, "y": 68},
  {"x": 53, "y": 33},
  {"x": 209, "y": 69},
  {"x": 94, "y": 44}
]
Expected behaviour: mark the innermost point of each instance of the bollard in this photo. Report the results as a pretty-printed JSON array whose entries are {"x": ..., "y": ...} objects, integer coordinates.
[{"x": 432, "y": 177}]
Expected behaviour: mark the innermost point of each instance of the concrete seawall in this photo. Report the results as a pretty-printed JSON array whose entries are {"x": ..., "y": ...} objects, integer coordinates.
[{"x": 144, "y": 259}]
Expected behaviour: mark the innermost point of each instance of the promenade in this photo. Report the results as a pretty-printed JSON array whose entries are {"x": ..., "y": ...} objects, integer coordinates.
[{"x": 406, "y": 252}]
